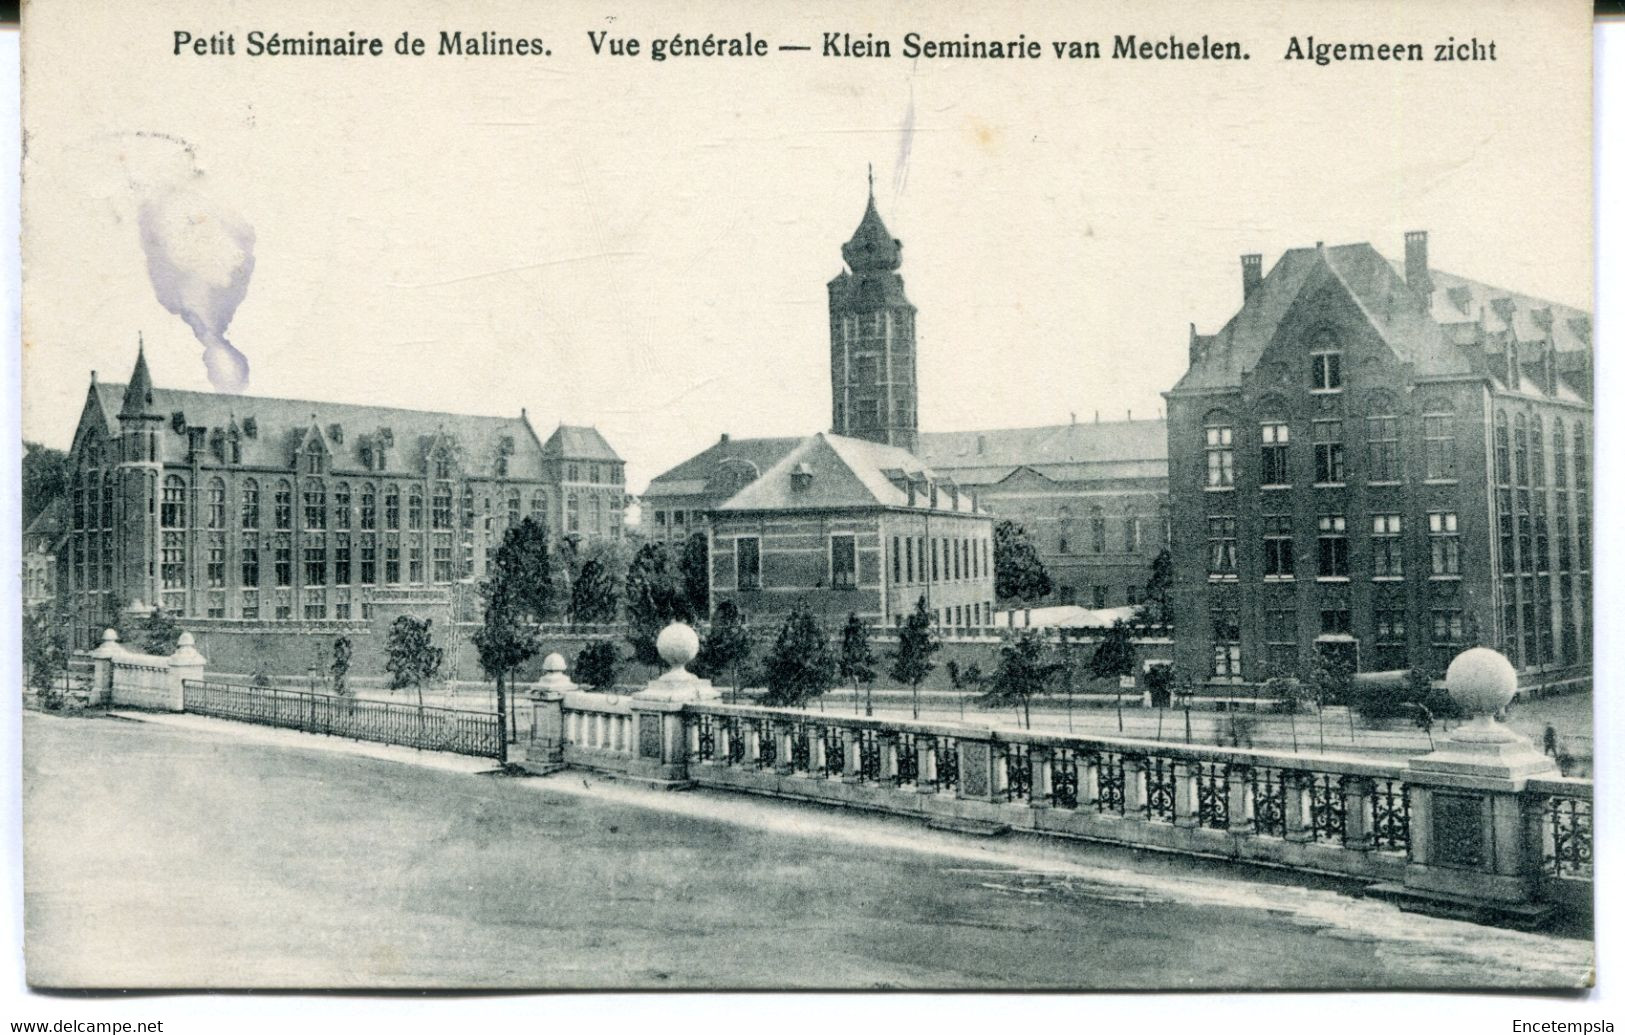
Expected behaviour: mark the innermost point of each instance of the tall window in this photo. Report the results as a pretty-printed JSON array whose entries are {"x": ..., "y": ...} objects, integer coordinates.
[
  {"x": 441, "y": 505},
  {"x": 1275, "y": 444},
  {"x": 414, "y": 559},
  {"x": 313, "y": 457},
  {"x": 1388, "y": 614},
  {"x": 1582, "y": 500},
  {"x": 1526, "y": 533},
  {"x": 843, "y": 562},
  {"x": 282, "y": 559},
  {"x": 341, "y": 505},
  {"x": 1097, "y": 530},
  {"x": 1335, "y": 618},
  {"x": 1444, "y": 543},
  {"x": 1328, "y": 436},
  {"x": 173, "y": 512},
  {"x": 1131, "y": 533},
  {"x": 896, "y": 562},
  {"x": 572, "y": 513},
  {"x": 748, "y": 562},
  {"x": 392, "y": 507},
  {"x": 414, "y": 508},
  {"x": 1503, "y": 451},
  {"x": 1221, "y": 458},
  {"x": 251, "y": 559},
  {"x": 172, "y": 558},
  {"x": 315, "y": 503},
  {"x": 1334, "y": 546},
  {"x": 1439, "y": 440},
  {"x": 1278, "y": 546},
  {"x": 315, "y": 546},
  {"x": 341, "y": 559},
  {"x": 1224, "y": 619},
  {"x": 1520, "y": 449},
  {"x": 283, "y": 504},
  {"x": 1537, "y": 452},
  {"x": 216, "y": 517},
  {"x": 1560, "y": 457},
  {"x": 538, "y": 505},
  {"x": 216, "y": 570},
  {"x": 369, "y": 506},
  {"x": 392, "y": 559},
  {"x": 1387, "y": 548},
  {"x": 441, "y": 558},
  {"x": 1326, "y": 370},
  {"x": 369, "y": 560},
  {"x": 1221, "y": 546},
  {"x": 513, "y": 504},
  {"x": 1382, "y": 440},
  {"x": 251, "y": 504}
]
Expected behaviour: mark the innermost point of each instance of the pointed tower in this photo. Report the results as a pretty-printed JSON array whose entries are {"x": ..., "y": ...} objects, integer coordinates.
[
  {"x": 871, "y": 338},
  {"x": 136, "y": 533}
]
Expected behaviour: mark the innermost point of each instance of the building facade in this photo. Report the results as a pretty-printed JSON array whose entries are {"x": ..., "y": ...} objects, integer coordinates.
[
  {"x": 1093, "y": 497},
  {"x": 679, "y": 502},
  {"x": 265, "y": 510},
  {"x": 846, "y": 526},
  {"x": 42, "y": 541},
  {"x": 1385, "y": 462}
]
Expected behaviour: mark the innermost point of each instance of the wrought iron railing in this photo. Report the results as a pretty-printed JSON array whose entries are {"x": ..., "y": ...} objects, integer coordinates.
[{"x": 382, "y": 722}]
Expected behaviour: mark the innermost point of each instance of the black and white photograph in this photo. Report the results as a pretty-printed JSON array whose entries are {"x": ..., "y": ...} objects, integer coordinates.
[{"x": 855, "y": 497}]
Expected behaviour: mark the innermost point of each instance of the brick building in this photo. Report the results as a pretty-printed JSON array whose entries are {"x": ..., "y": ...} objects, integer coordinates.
[
  {"x": 271, "y": 510},
  {"x": 844, "y": 526},
  {"x": 42, "y": 540},
  {"x": 1385, "y": 461}
]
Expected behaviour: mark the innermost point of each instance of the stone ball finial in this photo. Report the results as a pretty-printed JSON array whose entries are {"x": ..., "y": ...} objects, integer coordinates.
[
  {"x": 1481, "y": 680},
  {"x": 185, "y": 640},
  {"x": 109, "y": 635},
  {"x": 553, "y": 663},
  {"x": 678, "y": 644}
]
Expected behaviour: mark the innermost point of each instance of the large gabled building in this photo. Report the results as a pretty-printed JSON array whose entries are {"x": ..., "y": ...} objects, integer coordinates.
[
  {"x": 1385, "y": 462},
  {"x": 254, "y": 509}
]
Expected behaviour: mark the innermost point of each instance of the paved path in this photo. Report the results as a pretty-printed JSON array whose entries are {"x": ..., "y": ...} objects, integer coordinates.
[{"x": 192, "y": 852}]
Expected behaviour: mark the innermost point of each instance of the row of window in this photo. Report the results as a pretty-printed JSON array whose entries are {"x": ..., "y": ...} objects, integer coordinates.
[
  {"x": 914, "y": 560},
  {"x": 1332, "y": 546},
  {"x": 1330, "y": 451},
  {"x": 1133, "y": 540}
]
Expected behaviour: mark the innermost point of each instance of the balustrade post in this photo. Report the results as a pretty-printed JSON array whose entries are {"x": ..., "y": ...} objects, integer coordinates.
[
  {"x": 1236, "y": 800},
  {"x": 785, "y": 756},
  {"x": 1134, "y": 807},
  {"x": 1088, "y": 778},
  {"x": 753, "y": 745},
  {"x": 888, "y": 758},
  {"x": 815, "y": 754},
  {"x": 1532, "y": 836},
  {"x": 184, "y": 665},
  {"x": 722, "y": 751},
  {"x": 925, "y": 754},
  {"x": 1040, "y": 758},
  {"x": 1186, "y": 813},
  {"x": 852, "y": 769},
  {"x": 1356, "y": 792},
  {"x": 1295, "y": 790},
  {"x": 977, "y": 770}
]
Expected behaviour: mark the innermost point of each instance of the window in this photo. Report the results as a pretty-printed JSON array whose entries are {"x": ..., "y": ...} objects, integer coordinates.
[
  {"x": 1131, "y": 533},
  {"x": 251, "y": 604},
  {"x": 1439, "y": 441},
  {"x": 468, "y": 507},
  {"x": 216, "y": 515},
  {"x": 574, "y": 472},
  {"x": 748, "y": 562},
  {"x": 341, "y": 605},
  {"x": 283, "y": 505},
  {"x": 1560, "y": 457},
  {"x": 1326, "y": 370},
  {"x": 1281, "y": 637},
  {"x": 315, "y": 603},
  {"x": 896, "y": 562},
  {"x": 1503, "y": 451},
  {"x": 1382, "y": 441},
  {"x": 1389, "y": 630},
  {"x": 1221, "y": 459},
  {"x": 1278, "y": 547},
  {"x": 1334, "y": 610},
  {"x": 595, "y": 515},
  {"x": 1099, "y": 593},
  {"x": 441, "y": 504},
  {"x": 1537, "y": 452},
  {"x": 251, "y": 504},
  {"x": 414, "y": 508},
  {"x": 1520, "y": 449},
  {"x": 1328, "y": 438},
  {"x": 251, "y": 559},
  {"x": 908, "y": 559},
  {"x": 1275, "y": 440},
  {"x": 1444, "y": 543},
  {"x": 392, "y": 507},
  {"x": 283, "y": 604},
  {"x": 341, "y": 559},
  {"x": 315, "y": 503},
  {"x": 392, "y": 559},
  {"x": 282, "y": 559},
  {"x": 1509, "y": 558},
  {"x": 315, "y": 560},
  {"x": 1227, "y": 661},
  {"x": 572, "y": 513},
  {"x": 313, "y": 457},
  {"x": 1221, "y": 546},
  {"x": 216, "y": 564},
  {"x": 1334, "y": 546},
  {"x": 936, "y": 559},
  {"x": 369, "y": 560},
  {"x": 843, "y": 562},
  {"x": 341, "y": 505},
  {"x": 441, "y": 558},
  {"x": 173, "y": 513},
  {"x": 513, "y": 505},
  {"x": 1526, "y": 533},
  {"x": 1387, "y": 548},
  {"x": 1097, "y": 530}
]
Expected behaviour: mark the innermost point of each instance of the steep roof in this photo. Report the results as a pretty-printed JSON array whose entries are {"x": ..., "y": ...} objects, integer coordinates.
[
  {"x": 872, "y": 247},
  {"x": 694, "y": 475},
  {"x": 1418, "y": 330},
  {"x": 1062, "y": 452},
  {"x": 578, "y": 442},
  {"x": 842, "y": 472},
  {"x": 48, "y": 524}
]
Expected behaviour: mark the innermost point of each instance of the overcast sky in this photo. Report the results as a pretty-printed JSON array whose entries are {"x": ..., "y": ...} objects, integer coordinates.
[{"x": 644, "y": 247}]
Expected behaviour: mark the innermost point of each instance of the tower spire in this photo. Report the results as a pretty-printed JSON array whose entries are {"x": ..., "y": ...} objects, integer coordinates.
[
  {"x": 138, "y": 394},
  {"x": 871, "y": 181}
]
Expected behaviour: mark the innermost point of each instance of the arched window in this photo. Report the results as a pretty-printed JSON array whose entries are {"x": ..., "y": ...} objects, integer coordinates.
[
  {"x": 513, "y": 501},
  {"x": 1219, "y": 440},
  {"x": 108, "y": 489},
  {"x": 1560, "y": 454},
  {"x": 1382, "y": 438},
  {"x": 251, "y": 504},
  {"x": 1537, "y": 452},
  {"x": 1097, "y": 530},
  {"x": 442, "y": 506},
  {"x": 173, "y": 513},
  {"x": 313, "y": 457},
  {"x": 1520, "y": 449},
  {"x": 392, "y": 507},
  {"x": 284, "y": 504},
  {"x": 217, "y": 504},
  {"x": 414, "y": 508},
  {"x": 369, "y": 506},
  {"x": 1438, "y": 440},
  {"x": 315, "y": 504},
  {"x": 1503, "y": 451},
  {"x": 341, "y": 505}
]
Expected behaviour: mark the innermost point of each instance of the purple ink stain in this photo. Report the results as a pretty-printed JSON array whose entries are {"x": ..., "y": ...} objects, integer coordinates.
[{"x": 200, "y": 259}]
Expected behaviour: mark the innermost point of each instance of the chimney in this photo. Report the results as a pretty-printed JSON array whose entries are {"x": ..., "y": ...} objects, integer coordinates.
[
  {"x": 1196, "y": 351},
  {"x": 1252, "y": 275},
  {"x": 1416, "y": 267},
  {"x": 724, "y": 438}
]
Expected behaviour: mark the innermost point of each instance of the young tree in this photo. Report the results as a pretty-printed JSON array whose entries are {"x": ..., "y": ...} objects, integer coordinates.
[
  {"x": 340, "y": 667},
  {"x": 595, "y": 597},
  {"x": 655, "y": 597},
  {"x": 695, "y": 568},
  {"x": 1156, "y": 608},
  {"x": 1026, "y": 669},
  {"x": 1329, "y": 678},
  {"x": 515, "y": 593},
  {"x": 857, "y": 660},
  {"x": 801, "y": 666},
  {"x": 597, "y": 665},
  {"x": 916, "y": 644},
  {"x": 1291, "y": 692},
  {"x": 963, "y": 680},
  {"x": 1113, "y": 659},
  {"x": 1018, "y": 573},
  {"x": 410, "y": 656},
  {"x": 45, "y": 652},
  {"x": 727, "y": 646}
]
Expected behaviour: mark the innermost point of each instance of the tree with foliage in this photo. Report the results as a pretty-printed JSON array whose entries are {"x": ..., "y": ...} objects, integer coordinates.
[
  {"x": 694, "y": 565},
  {"x": 655, "y": 597},
  {"x": 727, "y": 647},
  {"x": 801, "y": 665},
  {"x": 598, "y": 665},
  {"x": 410, "y": 656},
  {"x": 1027, "y": 668},
  {"x": 515, "y": 593},
  {"x": 965, "y": 680},
  {"x": 857, "y": 660},
  {"x": 1157, "y": 608},
  {"x": 45, "y": 478},
  {"x": 595, "y": 597},
  {"x": 1018, "y": 573},
  {"x": 1330, "y": 679},
  {"x": 1291, "y": 693},
  {"x": 1113, "y": 659},
  {"x": 45, "y": 652},
  {"x": 340, "y": 666},
  {"x": 156, "y": 633},
  {"x": 917, "y": 643}
]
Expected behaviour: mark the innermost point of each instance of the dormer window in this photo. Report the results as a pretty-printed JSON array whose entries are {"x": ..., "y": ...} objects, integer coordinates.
[
  {"x": 801, "y": 478},
  {"x": 1326, "y": 370},
  {"x": 313, "y": 458}
]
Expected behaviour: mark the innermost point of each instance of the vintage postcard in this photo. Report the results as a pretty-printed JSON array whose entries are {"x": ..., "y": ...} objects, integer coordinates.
[{"x": 846, "y": 496}]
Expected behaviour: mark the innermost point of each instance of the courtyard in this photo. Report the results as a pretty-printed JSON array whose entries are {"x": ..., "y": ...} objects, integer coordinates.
[{"x": 185, "y": 852}]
